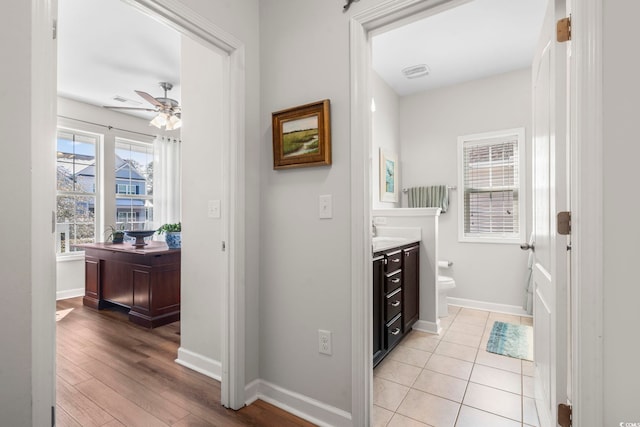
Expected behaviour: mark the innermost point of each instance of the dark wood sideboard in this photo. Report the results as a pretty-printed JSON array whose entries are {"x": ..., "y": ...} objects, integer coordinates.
[{"x": 147, "y": 281}]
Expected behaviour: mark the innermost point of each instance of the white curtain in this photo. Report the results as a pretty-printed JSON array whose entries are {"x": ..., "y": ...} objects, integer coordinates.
[{"x": 167, "y": 181}]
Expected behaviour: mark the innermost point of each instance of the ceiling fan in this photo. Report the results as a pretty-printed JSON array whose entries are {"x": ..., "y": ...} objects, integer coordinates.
[{"x": 169, "y": 110}]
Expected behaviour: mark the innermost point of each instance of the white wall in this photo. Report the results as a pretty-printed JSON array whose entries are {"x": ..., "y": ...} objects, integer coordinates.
[
  {"x": 202, "y": 259},
  {"x": 430, "y": 123},
  {"x": 305, "y": 266},
  {"x": 385, "y": 135},
  {"x": 621, "y": 91}
]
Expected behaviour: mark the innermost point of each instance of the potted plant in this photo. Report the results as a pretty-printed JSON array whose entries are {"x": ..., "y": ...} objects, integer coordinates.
[
  {"x": 173, "y": 234},
  {"x": 115, "y": 235}
]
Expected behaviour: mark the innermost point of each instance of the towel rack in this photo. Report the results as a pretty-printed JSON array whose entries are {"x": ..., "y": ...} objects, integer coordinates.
[{"x": 449, "y": 187}]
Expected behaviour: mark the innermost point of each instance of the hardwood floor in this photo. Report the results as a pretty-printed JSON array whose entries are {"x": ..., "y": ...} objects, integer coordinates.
[{"x": 111, "y": 372}]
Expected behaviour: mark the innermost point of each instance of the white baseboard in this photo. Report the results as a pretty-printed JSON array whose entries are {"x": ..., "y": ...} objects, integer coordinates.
[
  {"x": 70, "y": 293},
  {"x": 430, "y": 327},
  {"x": 302, "y": 406},
  {"x": 489, "y": 306},
  {"x": 199, "y": 363}
]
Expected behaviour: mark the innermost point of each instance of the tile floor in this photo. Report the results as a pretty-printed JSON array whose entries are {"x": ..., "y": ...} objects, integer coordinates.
[{"x": 451, "y": 380}]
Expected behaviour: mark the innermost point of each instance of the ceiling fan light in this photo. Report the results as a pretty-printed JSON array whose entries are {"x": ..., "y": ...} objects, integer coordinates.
[
  {"x": 159, "y": 121},
  {"x": 174, "y": 122}
]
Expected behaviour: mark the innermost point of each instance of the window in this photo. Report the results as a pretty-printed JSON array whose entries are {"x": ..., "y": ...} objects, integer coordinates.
[
  {"x": 76, "y": 189},
  {"x": 491, "y": 179},
  {"x": 134, "y": 184}
]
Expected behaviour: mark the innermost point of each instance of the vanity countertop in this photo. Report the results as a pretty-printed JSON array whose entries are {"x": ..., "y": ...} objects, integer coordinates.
[
  {"x": 393, "y": 237},
  {"x": 384, "y": 243}
]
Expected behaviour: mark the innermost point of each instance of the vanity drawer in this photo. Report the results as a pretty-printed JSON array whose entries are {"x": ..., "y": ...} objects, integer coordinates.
[
  {"x": 392, "y": 281},
  {"x": 393, "y": 305},
  {"x": 394, "y": 261},
  {"x": 394, "y": 331}
]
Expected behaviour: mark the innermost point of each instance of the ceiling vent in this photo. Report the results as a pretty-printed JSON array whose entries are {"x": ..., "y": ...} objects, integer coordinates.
[{"x": 416, "y": 71}]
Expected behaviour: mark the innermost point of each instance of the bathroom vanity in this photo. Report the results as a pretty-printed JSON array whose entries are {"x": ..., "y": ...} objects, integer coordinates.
[{"x": 396, "y": 280}]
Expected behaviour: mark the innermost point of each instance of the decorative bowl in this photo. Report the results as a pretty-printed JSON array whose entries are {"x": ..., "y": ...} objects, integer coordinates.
[{"x": 139, "y": 236}]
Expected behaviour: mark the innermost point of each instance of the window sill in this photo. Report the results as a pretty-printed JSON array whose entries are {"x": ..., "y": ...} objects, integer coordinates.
[{"x": 492, "y": 240}]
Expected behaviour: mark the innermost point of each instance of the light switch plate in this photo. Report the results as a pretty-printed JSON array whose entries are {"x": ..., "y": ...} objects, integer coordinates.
[
  {"x": 325, "y": 206},
  {"x": 213, "y": 209}
]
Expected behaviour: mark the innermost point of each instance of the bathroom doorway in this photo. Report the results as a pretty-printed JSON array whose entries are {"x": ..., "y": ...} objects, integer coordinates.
[{"x": 397, "y": 20}]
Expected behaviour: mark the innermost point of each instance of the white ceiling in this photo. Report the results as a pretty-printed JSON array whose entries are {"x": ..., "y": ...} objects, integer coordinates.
[
  {"x": 477, "y": 39},
  {"x": 107, "y": 48}
]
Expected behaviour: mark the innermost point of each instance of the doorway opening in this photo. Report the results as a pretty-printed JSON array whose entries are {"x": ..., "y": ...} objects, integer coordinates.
[
  {"x": 425, "y": 160},
  {"x": 223, "y": 358}
]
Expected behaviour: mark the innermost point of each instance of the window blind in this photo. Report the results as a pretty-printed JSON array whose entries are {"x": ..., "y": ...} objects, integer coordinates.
[{"x": 491, "y": 187}]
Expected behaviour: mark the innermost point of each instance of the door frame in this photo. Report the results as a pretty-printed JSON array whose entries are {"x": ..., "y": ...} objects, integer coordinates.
[
  {"x": 587, "y": 173},
  {"x": 181, "y": 18},
  {"x": 586, "y": 200}
]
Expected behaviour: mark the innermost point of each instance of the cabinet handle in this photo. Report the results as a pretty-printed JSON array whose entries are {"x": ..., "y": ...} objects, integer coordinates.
[
  {"x": 396, "y": 331},
  {"x": 395, "y": 280},
  {"x": 395, "y": 303},
  {"x": 396, "y": 260}
]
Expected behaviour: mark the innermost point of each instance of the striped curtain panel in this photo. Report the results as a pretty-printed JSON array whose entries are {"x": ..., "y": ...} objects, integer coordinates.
[{"x": 434, "y": 196}]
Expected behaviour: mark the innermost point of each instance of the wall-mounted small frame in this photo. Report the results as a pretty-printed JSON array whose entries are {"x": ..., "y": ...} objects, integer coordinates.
[
  {"x": 388, "y": 176},
  {"x": 302, "y": 136}
]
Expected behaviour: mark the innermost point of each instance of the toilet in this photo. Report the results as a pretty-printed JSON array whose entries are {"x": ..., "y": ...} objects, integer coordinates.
[{"x": 445, "y": 284}]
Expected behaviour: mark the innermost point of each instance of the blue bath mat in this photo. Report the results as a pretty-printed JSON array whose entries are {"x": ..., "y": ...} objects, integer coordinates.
[{"x": 511, "y": 340}]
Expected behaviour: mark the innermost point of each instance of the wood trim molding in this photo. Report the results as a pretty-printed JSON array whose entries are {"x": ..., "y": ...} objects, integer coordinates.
[
  {"x": 515, "y": 310},
  {"x": 199, "y": 363},
  {"x": 430, "y": 327},
  {"x": 300, "y": 405}
]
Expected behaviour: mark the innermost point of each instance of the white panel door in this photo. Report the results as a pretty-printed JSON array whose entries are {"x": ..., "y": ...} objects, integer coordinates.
[{"x": 549, "y": 197}]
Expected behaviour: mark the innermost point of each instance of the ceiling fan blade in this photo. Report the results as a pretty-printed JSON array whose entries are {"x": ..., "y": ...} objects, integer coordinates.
[
  {"x": 149, "y": 98},
  {"x": 129, "y": 108}
]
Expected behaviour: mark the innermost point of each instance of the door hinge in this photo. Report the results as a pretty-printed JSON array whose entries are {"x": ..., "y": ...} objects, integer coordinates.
[
  {"x": 564, "y": 415},
  {"x": 563, "y": 30},
  {"x": 53, "y": 416},
  {"x": 55, "y": 29},
  {"x": 224, "y": 246},
  {"x": 564, "y": 223}
]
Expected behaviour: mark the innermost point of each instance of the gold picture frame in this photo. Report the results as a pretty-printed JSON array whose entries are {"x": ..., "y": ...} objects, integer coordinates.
[{"x": 302, "y": 136}]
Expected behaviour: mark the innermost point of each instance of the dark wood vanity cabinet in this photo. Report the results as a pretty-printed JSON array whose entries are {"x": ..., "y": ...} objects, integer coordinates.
[
  {"x": 411, "y": 286},
  {"x": 378, "y": 308},
  {"x": 395, "y": 297}
]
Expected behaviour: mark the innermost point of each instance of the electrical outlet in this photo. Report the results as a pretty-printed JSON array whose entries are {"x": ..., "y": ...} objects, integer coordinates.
[{"x": 324, "y": 342}]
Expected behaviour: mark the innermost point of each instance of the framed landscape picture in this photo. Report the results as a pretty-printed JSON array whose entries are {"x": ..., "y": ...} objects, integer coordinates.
[
  {"x": 302, "y": 136},
  {"x": 388, "y": 176}
]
